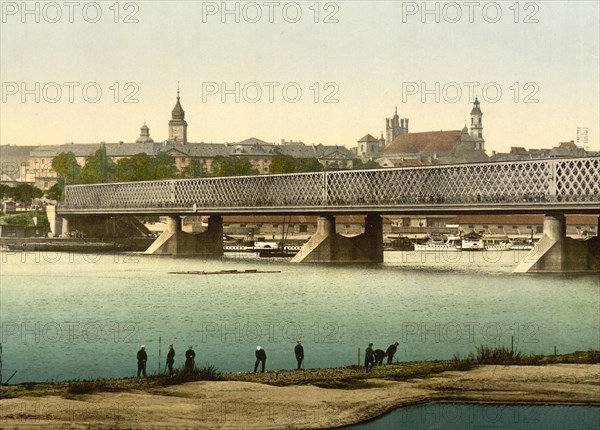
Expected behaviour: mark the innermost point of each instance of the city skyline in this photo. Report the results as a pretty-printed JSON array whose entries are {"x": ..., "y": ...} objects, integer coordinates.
[{"x": 313, "y": 72}]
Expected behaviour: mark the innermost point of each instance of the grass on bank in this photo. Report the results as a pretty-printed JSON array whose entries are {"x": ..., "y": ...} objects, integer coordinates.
[{"x": 350, "y": 377}]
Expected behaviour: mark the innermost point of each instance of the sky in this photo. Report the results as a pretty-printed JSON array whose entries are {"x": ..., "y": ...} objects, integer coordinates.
[{"x": 317, "y": 72}]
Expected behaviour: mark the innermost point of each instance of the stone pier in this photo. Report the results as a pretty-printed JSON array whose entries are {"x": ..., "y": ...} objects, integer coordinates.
[
  {"x": 174, "y": 241},
  {"x": 555, "y": 252},
  {"x": 327, "y": 246}
]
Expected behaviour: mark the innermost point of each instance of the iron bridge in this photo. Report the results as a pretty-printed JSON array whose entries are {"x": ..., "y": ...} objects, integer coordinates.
[{"x": 568, "y": 185}]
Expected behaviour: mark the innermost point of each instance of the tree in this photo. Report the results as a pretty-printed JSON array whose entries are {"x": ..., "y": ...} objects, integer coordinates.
[
  {"x": 56, "y": 192},
  {"x": 288, "y": 164},
  {"x": 98, "y": 167},
  {"x": 65, "y": 164},
  {"x": 283, "y": 164},
  {"x": 25, "y": 193},
  {"x": 6, "y": 191},
  {"x": 305, "y": 165},
  {"x": 196, "y": 169},
  {"x": 358, "y": 164},
  {"x": 233, "y": 166},
  {"x": 143, "y": 167}
]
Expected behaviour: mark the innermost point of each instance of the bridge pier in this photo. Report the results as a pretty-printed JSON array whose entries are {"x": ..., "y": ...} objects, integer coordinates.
[
  {"x": 555, "y": 252},
  {"x": 327, "y": 246},
  {"x": 173, "y": 241}
]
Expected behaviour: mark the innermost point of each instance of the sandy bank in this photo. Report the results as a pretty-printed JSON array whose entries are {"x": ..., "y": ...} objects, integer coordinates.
[{"x": 241, "y": 405}]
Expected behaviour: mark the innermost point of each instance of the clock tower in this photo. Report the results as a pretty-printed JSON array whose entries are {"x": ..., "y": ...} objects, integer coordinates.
[{"x": 178, "y": 125}]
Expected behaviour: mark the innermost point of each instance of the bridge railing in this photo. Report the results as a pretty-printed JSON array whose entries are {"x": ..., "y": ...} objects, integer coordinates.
[{"x": 557, "y": 181}]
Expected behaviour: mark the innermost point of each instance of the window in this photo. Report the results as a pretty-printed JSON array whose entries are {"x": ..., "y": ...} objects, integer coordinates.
[
  {"x": 515, "y": 227},
  {"x": 529, "y": 227},
  {"x": 471, "y": 226},
  {"x": 303, "y": 228},
  {"x": 242, "y": 225},
  {"x": 275, "y": 225},
  {"x": 486, "y": 226},
  {"x": 499, "y": 226}
]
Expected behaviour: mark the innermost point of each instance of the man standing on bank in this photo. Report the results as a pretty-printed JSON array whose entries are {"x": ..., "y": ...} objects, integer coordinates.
[
  {"x": 369, "y": 358},
  {"x": 170, "y": 359},
  {"x": 189, "y": 359},
  {"x": 142, "y": 358},
  {"x": 391, "y": 351},
  {"x": 261, "y": 357},
  {"x": 299, "y": 351}
]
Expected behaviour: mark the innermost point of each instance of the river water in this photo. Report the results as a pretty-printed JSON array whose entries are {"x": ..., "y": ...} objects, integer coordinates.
[{"x": 69, "y": 316}]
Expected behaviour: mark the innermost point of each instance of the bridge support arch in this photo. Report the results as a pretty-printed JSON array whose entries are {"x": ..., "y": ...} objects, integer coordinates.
[
  {"x": 327, "y": 246},
  {"x": 555, "y": 252},
  {"x": 174, "y": 241}
]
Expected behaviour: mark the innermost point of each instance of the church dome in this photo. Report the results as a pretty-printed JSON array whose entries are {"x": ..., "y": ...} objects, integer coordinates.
[{"x": 178, "y": 112}]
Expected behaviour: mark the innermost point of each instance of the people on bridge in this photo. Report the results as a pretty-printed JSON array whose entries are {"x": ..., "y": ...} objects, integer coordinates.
[
  {"x": 390, "y": 351},
  {"x": 142, "y": 358},
  {"x": 299, "y": 352},
  {"x": 170, "y": 359},
  {"x": 261, "y": 357},
  {"x": 190, "y": 355}
]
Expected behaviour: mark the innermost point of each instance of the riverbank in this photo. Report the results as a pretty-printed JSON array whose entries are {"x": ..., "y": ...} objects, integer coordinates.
[{"x": 315, "y": 398}]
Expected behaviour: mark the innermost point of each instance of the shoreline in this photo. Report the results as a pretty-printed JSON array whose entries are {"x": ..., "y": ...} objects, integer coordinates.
[{"x": 313, "y": 398}]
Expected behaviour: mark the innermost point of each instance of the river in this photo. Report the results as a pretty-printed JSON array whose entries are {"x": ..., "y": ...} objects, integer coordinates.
[{"x": 70, "y": 316}]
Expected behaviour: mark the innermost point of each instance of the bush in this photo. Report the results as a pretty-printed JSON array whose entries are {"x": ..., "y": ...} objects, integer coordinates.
[
  {"x": 498, "y": 355},
  {"x": 181, "y": 375}
]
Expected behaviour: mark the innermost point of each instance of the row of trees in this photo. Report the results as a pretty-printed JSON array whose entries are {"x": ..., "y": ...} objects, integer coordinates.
[{"x": 22, "y": 193}]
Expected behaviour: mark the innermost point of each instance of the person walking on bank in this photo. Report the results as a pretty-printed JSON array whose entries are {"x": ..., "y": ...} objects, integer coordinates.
[
  {"x": 261, "y": 357},
  {"x": 170, "y": 359},
  {"x": 391, "y": 351},
  {"x": 369, "y": 358},
  {"x": 142, "y": 358},
  {"x": 299, "y": 351},
  {"x": 190, "y": 355}
]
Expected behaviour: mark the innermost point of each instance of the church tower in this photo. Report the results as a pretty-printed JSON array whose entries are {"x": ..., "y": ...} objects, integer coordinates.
[
  {"x": 394, "y": 126},
  {"x": 476, "y": 124},
  {"x": 178, "y": 125}
]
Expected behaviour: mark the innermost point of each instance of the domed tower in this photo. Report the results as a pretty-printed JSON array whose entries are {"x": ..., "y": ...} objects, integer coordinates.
[
  {"x": 144, "y": 135},
  {"x": 476, "y": 124},
  {"x": 178, "y": 125}
]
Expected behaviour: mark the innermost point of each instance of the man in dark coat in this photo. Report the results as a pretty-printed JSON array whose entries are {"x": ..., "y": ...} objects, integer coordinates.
[
  {"x": 379, "y": 356},
  {"x": 369, "y": 358},
  {"x": 170, "y": 359},
  {"x": 391, "y": 351},
  {"x": 189, "y": 359},
  {"x": 142, "y": 358},
  {"x": 299, "y": 351},
  {"x": 261, "y": 357}
]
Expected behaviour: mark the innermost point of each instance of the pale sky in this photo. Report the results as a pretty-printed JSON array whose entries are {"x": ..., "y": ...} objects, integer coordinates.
[{"x": 367, "y": 59}]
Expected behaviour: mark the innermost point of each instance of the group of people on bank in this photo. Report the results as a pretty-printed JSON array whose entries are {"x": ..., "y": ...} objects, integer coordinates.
[
  {"x": 376, "y": 356},
  {"x": 190, "y": 355},
  {"x": 142, "y": 358},
  {"x": 372, "y": 357}
]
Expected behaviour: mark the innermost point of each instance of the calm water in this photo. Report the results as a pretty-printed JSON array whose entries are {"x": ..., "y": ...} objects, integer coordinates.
[
  {"x": 68, "y": 316},
  {"x": 499, "y": 417}
]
